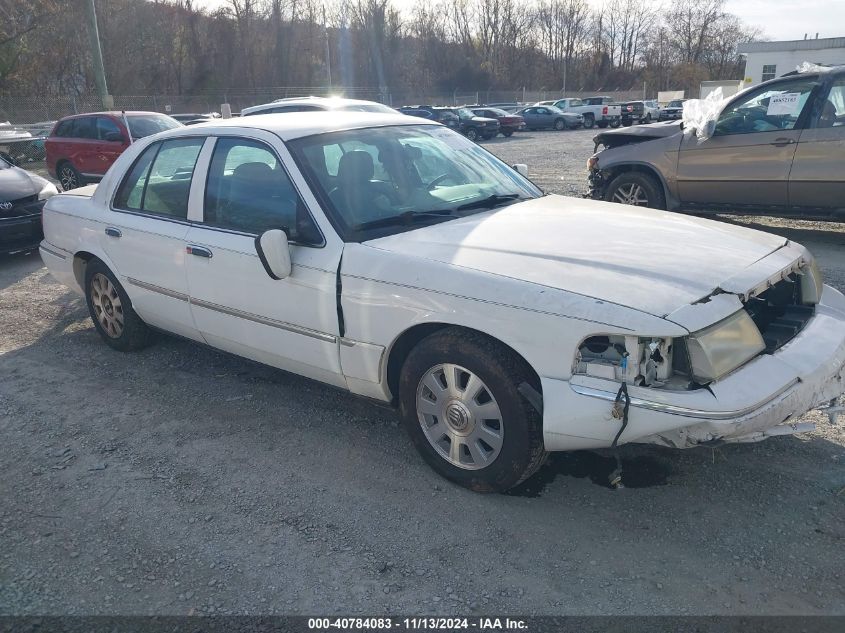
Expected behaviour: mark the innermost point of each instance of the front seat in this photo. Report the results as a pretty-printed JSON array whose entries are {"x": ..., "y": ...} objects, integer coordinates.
[
  {"x": 255, "y": 200},
  {"x": 357, "y": 196}
]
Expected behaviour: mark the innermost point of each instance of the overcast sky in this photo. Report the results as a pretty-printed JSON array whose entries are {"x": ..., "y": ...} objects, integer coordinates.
[{"x": 779, "y": 19}]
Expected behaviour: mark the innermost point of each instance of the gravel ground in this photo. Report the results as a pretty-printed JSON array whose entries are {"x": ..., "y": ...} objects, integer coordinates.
[{"x": 183, "y": 480}]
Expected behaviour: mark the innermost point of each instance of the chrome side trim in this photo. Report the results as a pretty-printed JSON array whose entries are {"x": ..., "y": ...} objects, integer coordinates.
[
  {"x": 671, "y": 409},
  {"x": 52, "y": 252},
  {"x": 153, "y": 288},
  {"x": 290, "y": 327}
]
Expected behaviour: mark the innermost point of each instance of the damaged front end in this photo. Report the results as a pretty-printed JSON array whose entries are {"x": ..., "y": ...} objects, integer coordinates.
[
  {"x": 757, "y": 357},
  {"x": 612, "y": 150}
]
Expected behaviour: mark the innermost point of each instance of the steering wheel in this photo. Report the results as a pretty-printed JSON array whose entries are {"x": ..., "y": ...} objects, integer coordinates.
[{"x": 431, "y": 185}]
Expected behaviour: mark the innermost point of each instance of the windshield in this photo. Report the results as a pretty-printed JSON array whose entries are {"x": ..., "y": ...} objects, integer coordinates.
[
  {"x": 380, "y": 181},
  {"x": 555, "y": 109},
  {"x": 465, "y": 113},
  {"x": 368, "y": 107},
  {"x": 498, "y": 112},
  {"x": 141, "y": 125},
  {"x": 676, "y": 104}
]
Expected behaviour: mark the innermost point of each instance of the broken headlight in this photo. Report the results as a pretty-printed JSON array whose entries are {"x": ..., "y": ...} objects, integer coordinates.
[
  {"x": 724, "y": 346},
  {"x": 811, "y": 283}
]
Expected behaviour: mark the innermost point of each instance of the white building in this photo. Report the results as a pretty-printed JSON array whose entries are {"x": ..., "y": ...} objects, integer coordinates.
[{"x": 767, "y": 60}]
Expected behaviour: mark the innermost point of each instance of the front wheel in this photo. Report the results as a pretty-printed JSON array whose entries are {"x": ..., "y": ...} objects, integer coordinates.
[
  {"x": 111, "y": 310},
  {"x": 615, "y": 123},
  {"x": 460, "y": 403},
  {"x": 589, "y": 122},
  {"x": 472, "y": 134},
  {"x": 635, "y": 189},
  {"x": 507, "y": 134},
  {"x": 647, "y": 118}
]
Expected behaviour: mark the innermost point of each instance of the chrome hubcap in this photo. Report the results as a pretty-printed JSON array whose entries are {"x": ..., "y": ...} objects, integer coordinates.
[
  {"x": 632, "y": 194},
  {"x": 107, "y": 306},
  {"x": 460, "y": 417}
]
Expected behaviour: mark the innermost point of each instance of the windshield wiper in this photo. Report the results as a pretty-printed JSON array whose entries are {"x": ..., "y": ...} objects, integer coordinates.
[
  {"x": 408, "y": 217},
  {"x": 490, "y": 202}
]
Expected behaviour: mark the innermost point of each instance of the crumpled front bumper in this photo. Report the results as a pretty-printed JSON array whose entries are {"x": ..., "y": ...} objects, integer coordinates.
[{"x": 761, "y": 399}]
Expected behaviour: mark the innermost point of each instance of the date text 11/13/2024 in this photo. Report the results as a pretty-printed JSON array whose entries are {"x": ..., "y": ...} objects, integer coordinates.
[{"x": 417, "y": 624}]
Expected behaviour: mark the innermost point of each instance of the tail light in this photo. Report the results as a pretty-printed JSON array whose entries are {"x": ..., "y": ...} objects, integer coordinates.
[{"x": 604, "y": 110}]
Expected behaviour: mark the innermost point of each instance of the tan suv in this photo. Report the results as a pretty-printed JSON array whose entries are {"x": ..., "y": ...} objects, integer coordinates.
[{"x": 777, "y": 153}]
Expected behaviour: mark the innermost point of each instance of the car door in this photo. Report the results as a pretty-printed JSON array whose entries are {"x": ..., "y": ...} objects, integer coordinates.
[
  {"x": 817, "y": 178},
  {"x": 110, "y": 143},
  {"x": 83, "y": 154},
  {"x": 748, "y": 158},
  {"x": 531, "y": 118},
  {"x": 289, "y": 323},
  {"x": 146, "y": 231},
  {"x": 544, "y": 117}
]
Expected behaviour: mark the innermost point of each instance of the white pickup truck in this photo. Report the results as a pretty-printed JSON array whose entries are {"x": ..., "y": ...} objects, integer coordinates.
[{"x": 596, "y": 110}]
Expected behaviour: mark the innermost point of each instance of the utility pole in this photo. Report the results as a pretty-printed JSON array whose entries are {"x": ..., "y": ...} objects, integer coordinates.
[
  {"x": 97, "y": 56},
  {"x": 328, "y": 50}
]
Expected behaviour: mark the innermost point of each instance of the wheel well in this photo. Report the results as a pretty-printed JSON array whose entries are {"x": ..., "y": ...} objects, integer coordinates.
[
  {"x": 80, "y": 262},
  {"x": 411, "y": 337},
  {"x": 616, "y": 170}
]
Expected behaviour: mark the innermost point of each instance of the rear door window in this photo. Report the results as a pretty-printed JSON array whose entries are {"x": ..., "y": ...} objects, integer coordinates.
[
  {"x": 160, "y": 180},
  {"x": 83, "y": 127}
]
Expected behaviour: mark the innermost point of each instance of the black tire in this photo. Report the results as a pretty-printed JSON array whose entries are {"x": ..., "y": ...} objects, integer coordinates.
[
  {"x": 560, "y": 125},
  {"x": 615, "y": 123},
  {"x": 647, "y": 118},
  {"x": 472, "y": 134},
  {"x": 625, "y": 184},
  {"x": 134, "y": 334},
  {"x": 602, "y": 124},
  {"x": 68, "y": 176},
  {"x": 589, "y": 121},
  {"x": 501, "y": 371},
  {"x": 507, "y": 134}
]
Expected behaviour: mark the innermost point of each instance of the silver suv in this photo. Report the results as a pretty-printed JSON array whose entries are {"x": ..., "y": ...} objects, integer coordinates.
[{"x": 775, "y": 145}]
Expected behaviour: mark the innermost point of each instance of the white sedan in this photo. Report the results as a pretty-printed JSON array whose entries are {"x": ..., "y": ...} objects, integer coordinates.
[{"x": 395, "y": 259}]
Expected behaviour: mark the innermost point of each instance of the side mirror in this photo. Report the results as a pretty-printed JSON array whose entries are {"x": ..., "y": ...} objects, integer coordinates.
[
  {"x": 522, "y": 169},
  {"x": 274, "y": 253}
]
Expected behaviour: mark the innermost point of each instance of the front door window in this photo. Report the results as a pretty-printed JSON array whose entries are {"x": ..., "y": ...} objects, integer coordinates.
[{"x": 770, "y": 109}]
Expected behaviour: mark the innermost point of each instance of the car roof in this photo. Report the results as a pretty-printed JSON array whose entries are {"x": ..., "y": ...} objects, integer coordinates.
[
  {"x": 301, "y": 124},
  {"x": 329, "y": 103},
  {"x": 115, "y": 113}
]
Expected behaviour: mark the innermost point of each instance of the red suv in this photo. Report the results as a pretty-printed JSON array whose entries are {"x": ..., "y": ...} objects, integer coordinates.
[{"x": 82, "y": 147}]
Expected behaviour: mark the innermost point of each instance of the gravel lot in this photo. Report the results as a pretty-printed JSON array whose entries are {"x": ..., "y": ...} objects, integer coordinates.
[{"x": 183, "y": 480}]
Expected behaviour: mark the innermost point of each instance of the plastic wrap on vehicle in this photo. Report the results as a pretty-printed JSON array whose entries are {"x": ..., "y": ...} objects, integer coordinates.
[
  {"x": 810, "y": 67},
  {"x": 700, "y": 115}
]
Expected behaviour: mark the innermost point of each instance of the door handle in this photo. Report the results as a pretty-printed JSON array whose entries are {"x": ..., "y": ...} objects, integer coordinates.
[
  {"x": 113, "y": 232},
  {"x": 782, "y": 142},
  {"x": 199, "y": 251}
]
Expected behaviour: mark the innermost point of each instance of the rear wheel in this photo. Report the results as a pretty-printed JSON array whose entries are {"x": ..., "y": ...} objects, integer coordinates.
[
  {"x": 647, "y": 118},
  {"x": 111, "y": 310},
  {"x": 615, "y": 123},
  {"x": 636, "y": 189},
  {"x": 459, "y": 401},
  {"x": 69, "y": 177},
  {"x": 509, "y": 133},
  {"x": 589, "y": 121}
]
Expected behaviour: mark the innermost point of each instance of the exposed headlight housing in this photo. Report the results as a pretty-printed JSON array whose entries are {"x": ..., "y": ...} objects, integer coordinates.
[
  {"x": 720, "y": 348},
  {"x": 811, "y": 283},
  {"x": 47, "y": 191}
]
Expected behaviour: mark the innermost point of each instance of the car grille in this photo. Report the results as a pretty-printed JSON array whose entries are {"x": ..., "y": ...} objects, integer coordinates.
[
  {"x": 30, "y": 205},
  {"x": 779, "y": 313}
]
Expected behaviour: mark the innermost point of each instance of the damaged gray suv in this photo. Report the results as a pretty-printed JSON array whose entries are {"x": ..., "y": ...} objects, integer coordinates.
[{"x": 779, "y": 145}]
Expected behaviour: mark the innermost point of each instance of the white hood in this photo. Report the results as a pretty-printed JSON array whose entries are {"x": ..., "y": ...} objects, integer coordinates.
[{"x": 653, "y": 261}]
